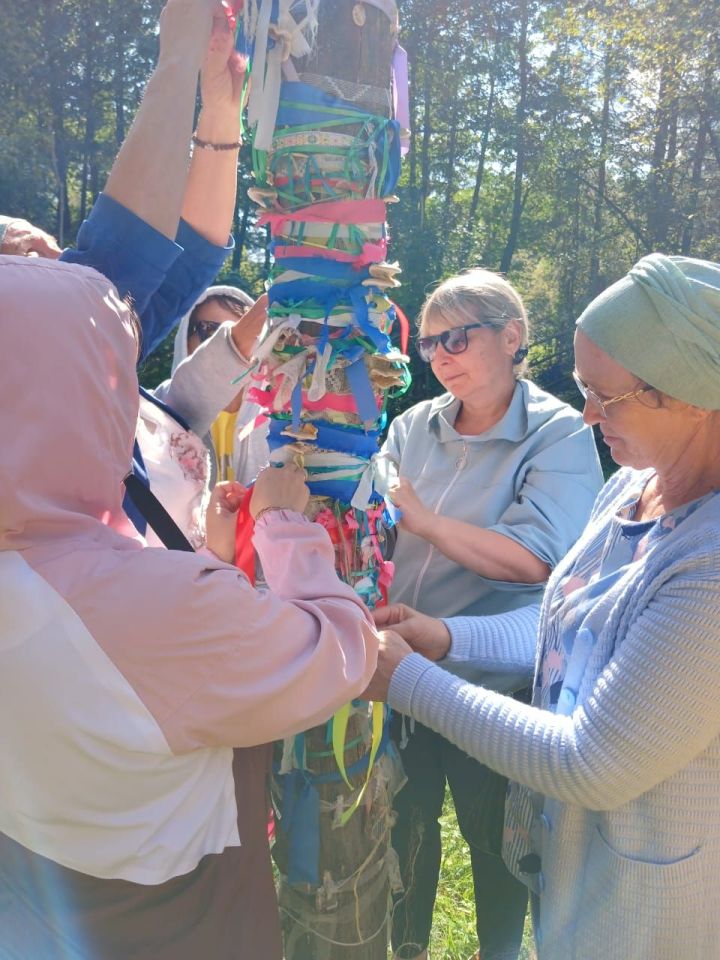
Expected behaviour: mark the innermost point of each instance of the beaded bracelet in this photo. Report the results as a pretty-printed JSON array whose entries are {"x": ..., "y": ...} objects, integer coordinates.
[
  {"x": 265, "y": 510},
  {"x": 207, "y": 145}
]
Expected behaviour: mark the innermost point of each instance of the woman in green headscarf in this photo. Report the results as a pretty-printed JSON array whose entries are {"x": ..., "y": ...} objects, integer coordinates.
[{"x": 613, "y": 816}]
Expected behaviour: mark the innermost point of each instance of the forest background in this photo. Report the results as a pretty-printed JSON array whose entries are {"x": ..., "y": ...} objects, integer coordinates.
[{"x": 554, "y": 140}]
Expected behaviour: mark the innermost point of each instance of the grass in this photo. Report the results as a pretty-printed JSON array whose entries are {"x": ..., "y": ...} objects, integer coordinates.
[{"x": 453, "y": 934}]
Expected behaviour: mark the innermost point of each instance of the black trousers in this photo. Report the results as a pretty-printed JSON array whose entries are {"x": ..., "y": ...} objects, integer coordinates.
[{"x": 431, "y": 761}]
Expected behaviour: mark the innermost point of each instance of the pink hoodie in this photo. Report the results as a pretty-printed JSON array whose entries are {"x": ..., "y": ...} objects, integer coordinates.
[{"x": 129, "y": 673}]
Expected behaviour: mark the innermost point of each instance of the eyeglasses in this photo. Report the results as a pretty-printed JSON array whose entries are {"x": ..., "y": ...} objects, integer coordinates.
[
  {"x": 454, "y": 340},
  {"x": 601, "y": 404},
  {"x": 203, "y": 329}
]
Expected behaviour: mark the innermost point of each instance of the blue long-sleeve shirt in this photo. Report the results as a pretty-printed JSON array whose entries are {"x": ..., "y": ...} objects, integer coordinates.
[{"x": 163, "y": 277}]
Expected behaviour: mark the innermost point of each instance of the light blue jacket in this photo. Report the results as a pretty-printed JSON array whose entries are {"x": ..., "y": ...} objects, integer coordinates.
[{"x": 532, "y": 477}]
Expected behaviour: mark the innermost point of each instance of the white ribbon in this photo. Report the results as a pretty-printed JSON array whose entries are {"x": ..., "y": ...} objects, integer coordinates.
[
  {"x": 380, "y": 474},
  {"x": 291, "y": 39},
  {"x": 318, "y": 387}
]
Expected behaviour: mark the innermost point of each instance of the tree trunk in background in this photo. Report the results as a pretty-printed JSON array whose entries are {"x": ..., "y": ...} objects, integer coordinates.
[
  {"x": 450, "y": 167},
  {"x": 240, "y": 228},
  {"x": 663, "y": 158},
  {"x": 594, "y": 279},
  {"x": 425, "y": 153},
  {"x": 524, "y": 72},
  {"x": 698, "y": 161},
  {"x": 480, "y": 171}
]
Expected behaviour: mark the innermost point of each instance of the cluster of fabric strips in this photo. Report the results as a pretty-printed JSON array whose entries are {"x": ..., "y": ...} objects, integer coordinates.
[
  {"x": 326, "y": 363},
  {"x": 326, "y": 158}
]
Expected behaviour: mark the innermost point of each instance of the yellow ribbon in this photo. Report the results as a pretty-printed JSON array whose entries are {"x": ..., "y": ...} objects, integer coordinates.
[{"x": 340, "y": 722}]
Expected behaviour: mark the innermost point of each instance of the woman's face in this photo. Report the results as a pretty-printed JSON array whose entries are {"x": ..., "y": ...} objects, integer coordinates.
[
  {"x": 642, "y": 431},
  {"x": 206, "y": 319},
  {"x": 485, "y": 368}
]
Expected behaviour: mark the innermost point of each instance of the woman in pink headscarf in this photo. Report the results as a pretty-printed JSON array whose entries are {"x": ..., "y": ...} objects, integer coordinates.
[{"x": 129, "y": 826}]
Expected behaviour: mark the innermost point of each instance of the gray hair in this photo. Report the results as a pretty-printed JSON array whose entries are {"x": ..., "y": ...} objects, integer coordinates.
[{"x": 477, "y": 295}]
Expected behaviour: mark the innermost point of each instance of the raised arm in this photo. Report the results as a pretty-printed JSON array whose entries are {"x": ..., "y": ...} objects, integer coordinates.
[
  {"x": 659, "y": 690},
  {"x": 209, "y": 201},
  {"x": 150, "y": 173}
]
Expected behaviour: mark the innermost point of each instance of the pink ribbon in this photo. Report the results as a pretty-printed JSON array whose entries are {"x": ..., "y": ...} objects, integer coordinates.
[
  {"x": 335, "y": 211},
  {"x": 331, "y": 401},
  {"x": 371, "y": 253}
]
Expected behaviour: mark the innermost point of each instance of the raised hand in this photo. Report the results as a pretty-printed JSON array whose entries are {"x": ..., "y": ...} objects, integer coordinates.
[
  {"x": 247, "y": 329},
  {"x": 185, "y": 28},
  {"x": 223, "y": 72}
]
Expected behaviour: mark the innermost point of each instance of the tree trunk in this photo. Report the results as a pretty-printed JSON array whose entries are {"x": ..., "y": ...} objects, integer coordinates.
[
  {"x": 594, "y": 282},
  {"x": 663, "y": 158},
  {"x": 520, "y": 112},
  {"x": 241, "y": 225},
  {"x": 480, "y": 171},
  {"x": 697, "y": 163}
]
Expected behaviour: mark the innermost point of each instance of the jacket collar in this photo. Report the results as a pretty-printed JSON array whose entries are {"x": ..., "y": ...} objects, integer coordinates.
[{"x": 512, "y": 426}]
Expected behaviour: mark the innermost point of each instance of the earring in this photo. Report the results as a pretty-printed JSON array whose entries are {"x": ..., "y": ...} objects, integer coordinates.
[{"x": 519, "y": 355}]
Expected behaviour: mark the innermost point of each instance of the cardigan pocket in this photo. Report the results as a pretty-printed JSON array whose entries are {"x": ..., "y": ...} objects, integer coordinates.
[{"x": 638, "y": 909}]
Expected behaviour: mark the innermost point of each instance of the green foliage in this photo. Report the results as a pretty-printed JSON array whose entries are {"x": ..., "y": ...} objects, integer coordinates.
[
  {"x": 453, "y": 931},
  {"x": 561, "y": 140}
]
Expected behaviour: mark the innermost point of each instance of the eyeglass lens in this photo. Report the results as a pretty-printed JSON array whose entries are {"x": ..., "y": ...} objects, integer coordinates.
[
  {"x": 454, "y": 340},
  {"x": 205, "y": 329}
]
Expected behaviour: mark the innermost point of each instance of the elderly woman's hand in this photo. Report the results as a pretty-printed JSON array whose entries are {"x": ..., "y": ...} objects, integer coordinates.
[
  {"x": 391, "y": 651},
  {"x": 416, "y": 517},
  {"x": 23, "y": 239},
  {"x": 426, "y": 635}
]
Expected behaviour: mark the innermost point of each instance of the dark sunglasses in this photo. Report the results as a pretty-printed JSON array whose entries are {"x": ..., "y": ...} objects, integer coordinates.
[
  {"x": 454, "y": 340},
  {"x": 203, "y": 329}
]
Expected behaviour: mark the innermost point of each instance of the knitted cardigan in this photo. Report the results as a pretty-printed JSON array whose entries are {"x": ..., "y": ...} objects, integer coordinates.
[{"x": 629, "y": 836}]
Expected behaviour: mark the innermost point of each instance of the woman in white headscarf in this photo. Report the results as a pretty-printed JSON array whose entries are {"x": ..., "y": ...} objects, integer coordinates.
[{"x": 219, "y": 334}]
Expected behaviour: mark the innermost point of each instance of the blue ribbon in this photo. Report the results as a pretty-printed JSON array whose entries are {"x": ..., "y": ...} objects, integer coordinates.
[
  {"x": 300, "y": 822},
  {"x": 313, "y": 99},
  {"x": 343, "y": 439},
  {"x": 359, "y": 381},
  {"x": 322, "y": 267}
]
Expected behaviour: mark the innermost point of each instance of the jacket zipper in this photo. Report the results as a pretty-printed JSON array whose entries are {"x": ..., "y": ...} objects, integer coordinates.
[{"x": 459, "y": 466}]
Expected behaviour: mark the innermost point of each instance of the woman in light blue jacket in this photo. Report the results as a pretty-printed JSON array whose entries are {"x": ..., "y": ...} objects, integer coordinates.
[{"x": 497, "y": 479}]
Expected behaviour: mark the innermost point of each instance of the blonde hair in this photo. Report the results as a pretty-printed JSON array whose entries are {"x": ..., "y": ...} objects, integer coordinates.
[{"x": 477, "y": 295}]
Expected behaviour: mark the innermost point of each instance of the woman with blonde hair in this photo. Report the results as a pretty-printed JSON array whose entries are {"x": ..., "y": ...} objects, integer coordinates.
[{"x": 496, "y": 482}]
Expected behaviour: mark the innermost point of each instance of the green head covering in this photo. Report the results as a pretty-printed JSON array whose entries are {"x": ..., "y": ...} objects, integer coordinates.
[{"x": 662, "y": 322}]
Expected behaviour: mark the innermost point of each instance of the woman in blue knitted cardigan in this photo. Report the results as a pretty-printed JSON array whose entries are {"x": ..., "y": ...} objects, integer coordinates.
[{"x": 613, "y": 814}]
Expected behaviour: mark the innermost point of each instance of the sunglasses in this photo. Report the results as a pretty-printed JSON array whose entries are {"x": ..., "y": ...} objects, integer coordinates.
[
  {"x": 203, "y": 329},
  {"x": 454, "y": 340}
]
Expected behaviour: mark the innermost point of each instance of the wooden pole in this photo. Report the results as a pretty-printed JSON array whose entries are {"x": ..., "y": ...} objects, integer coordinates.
[{"x": 344, "y": 915}]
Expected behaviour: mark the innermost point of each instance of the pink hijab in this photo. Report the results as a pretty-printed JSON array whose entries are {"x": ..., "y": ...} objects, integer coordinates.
[
  {"x": 68, "y": 405},
  {"x": 187, "y": 632}
]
